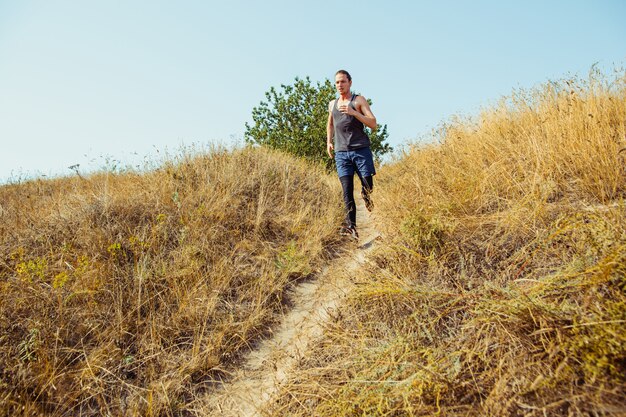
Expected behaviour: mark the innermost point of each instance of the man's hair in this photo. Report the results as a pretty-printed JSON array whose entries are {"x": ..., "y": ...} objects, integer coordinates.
[{"x": 344, "y": 72}]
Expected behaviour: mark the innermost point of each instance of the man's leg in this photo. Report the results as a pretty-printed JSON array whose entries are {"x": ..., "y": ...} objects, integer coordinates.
[
  {"x": 367, "y": 186},
  {"x": 364, "y": 162},
  {"x": 347, "y": 184}
]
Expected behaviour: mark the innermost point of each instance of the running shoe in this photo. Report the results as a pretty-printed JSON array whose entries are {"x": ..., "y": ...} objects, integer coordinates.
[
  {"x": 349, "y": 231},
  {"x": 367, "y": 198}
]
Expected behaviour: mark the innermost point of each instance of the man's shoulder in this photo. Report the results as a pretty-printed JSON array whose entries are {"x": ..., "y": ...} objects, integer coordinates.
[{"x": 360, "y": 102}]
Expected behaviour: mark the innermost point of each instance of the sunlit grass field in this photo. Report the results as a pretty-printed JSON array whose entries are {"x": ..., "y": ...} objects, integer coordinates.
[
  {"x": 131, "y": 294},
  {"x": 500, "y": 287}
]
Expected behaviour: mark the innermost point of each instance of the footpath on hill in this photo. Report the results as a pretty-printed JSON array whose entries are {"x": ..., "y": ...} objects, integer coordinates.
[{"x": 314, "y": 303}]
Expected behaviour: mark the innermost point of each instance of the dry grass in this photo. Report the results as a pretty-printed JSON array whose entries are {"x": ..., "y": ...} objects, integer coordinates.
[
  {"x": 501, "y": 287},
  {"x": 128, "y": 294}
]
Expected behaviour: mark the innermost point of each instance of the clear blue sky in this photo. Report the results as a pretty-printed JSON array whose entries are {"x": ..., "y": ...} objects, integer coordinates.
[{"x": 81, "y": 81}]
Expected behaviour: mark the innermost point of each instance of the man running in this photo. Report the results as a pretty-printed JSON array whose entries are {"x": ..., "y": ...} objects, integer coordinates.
[{"x": 346, "y": 117}]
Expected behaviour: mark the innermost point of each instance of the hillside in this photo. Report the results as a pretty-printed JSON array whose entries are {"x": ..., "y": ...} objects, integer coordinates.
[
  {"x": 500, "y": 288},
  {"x": 128, "y": 294}
]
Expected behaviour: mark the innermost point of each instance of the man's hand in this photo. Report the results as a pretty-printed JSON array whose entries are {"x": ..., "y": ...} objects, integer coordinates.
[
  {"x": 362, "y": 112},
  {"x": 329, "y": 149},
  {"x": 346, "y": 109}
]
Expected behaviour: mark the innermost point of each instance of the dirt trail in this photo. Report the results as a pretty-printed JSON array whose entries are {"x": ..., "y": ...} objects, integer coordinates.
[{"x": 269, "y": 365}]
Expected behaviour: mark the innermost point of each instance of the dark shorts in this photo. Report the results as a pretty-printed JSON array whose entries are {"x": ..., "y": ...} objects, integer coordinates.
[{"x": 359, "y": 160}]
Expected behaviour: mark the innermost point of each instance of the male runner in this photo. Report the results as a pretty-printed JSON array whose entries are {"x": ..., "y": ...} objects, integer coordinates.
[{"x": 347, "y": 116}]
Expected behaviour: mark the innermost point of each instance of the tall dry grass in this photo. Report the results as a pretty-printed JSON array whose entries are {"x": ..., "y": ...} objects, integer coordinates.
[
  {"x": 129, "y": 294},
  {"x": 500, "y": 289}
]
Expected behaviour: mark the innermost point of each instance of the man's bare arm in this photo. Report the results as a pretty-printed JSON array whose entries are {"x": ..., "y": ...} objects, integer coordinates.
[
  {"x": 366, "y": 116},
  {"x": 330, "y": 130}
]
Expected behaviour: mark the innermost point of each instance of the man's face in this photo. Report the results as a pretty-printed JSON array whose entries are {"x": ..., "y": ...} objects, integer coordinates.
[{"x": 342, "y": 84}]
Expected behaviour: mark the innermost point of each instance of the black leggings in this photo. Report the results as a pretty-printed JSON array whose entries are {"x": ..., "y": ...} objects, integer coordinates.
[{"x": 347, "y": 183}]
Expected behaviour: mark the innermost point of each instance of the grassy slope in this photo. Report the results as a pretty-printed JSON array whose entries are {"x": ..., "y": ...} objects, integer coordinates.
[
  {"x": 501, "y": 287},
  {"x": 129, "y": 294}
]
